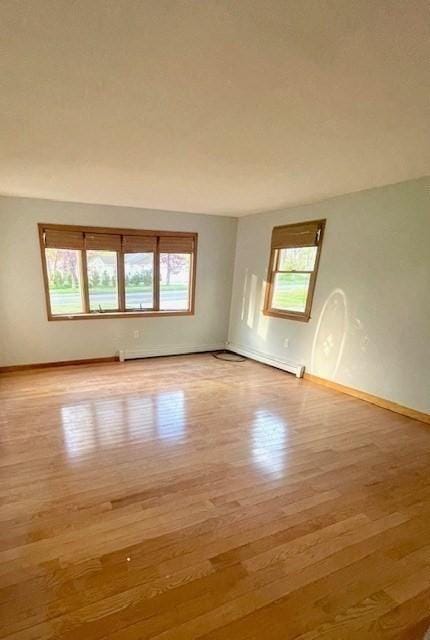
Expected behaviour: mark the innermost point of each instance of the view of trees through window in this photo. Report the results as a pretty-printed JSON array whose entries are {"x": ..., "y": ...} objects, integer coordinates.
[
  {"x": 139, "y": 280},
  {"x": 174, "y": 280},
  {"x": 64, "y": 270},
  {"x": 102, "y": 280},
  {"x": 64, "y": 279}
]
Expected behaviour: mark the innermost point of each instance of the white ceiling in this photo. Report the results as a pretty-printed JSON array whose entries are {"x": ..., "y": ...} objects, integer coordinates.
[{"x": 212, "y": 106}]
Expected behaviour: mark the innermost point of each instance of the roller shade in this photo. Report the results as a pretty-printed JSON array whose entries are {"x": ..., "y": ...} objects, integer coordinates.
[
  {"x": 138, "y": 244},
  {"x": 58, "y": 239},
  {"x": 296, "y": 235},
  {"x": 103, "y": 241},
  {"x": 178, "y": 244}
]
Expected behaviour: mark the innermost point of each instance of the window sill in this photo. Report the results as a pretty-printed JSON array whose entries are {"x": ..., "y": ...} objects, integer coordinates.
[
  {"x": 119, "y": 314},
  {"x": 288, "y": 315}
]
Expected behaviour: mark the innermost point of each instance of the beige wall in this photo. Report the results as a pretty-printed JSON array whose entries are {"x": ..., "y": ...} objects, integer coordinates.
[
  {"x": 370, "y": 325},
  {"x": 25, "y": 334}
]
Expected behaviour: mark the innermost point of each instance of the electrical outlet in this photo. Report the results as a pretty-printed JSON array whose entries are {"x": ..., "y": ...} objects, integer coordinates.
[
  {"x": 136, "y": 333},
  {"x": 286, "y": 343}
]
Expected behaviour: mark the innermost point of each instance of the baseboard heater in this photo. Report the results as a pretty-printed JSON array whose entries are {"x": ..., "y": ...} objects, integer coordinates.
[
  {"x": 177, "y": 350},
  {"x": 168, "y": 350},
  {"x": 253, "y": 354}
]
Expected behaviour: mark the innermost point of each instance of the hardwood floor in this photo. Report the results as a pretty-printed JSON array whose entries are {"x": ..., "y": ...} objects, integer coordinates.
[{"x": 180, "y": 498}]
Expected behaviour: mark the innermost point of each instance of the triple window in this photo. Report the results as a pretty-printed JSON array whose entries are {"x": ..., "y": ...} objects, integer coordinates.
[
  {"x": 293, "y": 266},
  {"x": 97, "y": 272}
]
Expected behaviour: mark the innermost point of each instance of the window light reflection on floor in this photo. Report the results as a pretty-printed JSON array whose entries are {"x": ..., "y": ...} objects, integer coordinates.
[{"x": 269, "y": 442}]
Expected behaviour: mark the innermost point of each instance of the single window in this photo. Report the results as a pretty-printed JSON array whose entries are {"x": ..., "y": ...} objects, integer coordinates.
[
  {"x": 64, "y": 280},
  {"x": 94, "y": 272},
  {"x": 175, "y": 275},
  {"x": 293, "y": 268},
  {"x": 139, "y": 280},
  {"x": 102, "y": 272}
]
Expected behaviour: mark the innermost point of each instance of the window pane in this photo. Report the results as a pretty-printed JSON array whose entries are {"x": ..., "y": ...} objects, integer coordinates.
[
  {"x": 297, "y": 259},
  {"x": 175, "y": 281},
  {"x": 290, "y": 291},
  {"x": 64, "y": 279},
  {"x": 102, "y": 280},
  {"x": 139, "y": 280}
]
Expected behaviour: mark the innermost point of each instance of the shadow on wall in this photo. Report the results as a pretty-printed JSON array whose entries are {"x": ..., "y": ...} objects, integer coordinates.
[
  {"x": 343, "y": 341},
  {"x": 330, "y": 335},
  {"x": 252, "y": 304},
  {"x": 244, "y": 296},
  {"x": 339, "y": 340}
]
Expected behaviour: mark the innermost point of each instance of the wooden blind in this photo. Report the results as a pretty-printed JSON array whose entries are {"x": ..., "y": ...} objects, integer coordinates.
[
  {"x": 64, "y": 239},
  {"x": 296, "y": 235},
  {"x": 58, "y": 239},
  {"x": 176, "y": 244},
  {"x": 103, "y": 241},
  {"x": 139, "y": 244}
]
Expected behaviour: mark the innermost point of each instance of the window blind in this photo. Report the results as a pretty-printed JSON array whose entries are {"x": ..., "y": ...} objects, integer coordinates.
[
  {"x": 103, "y": 241},
  {"x": 139, "y": 244},
  {"x": 59, "y": 239},
  {"x": 304, "y": 234},
  {"x": 176, "y": 244}
]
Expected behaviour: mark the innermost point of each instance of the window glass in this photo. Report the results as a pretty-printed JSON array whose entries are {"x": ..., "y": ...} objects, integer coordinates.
[
  {"x": 290, "y": 291},
  {"x": 102, "y": 280},
  {"x": 64, "y": 280},
  {"x": 139, "y": 280},
  {"x": 297, "y": 259},
  {"x": 117, "y": 271},
  {"x": 175, "y": 281}
]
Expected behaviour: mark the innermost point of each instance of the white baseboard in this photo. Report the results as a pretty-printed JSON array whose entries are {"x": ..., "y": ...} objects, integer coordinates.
[
  {"x": 175, "y": 350},
  {"x": 285, "y": 365},
  {"x": 167, "y": 350}
]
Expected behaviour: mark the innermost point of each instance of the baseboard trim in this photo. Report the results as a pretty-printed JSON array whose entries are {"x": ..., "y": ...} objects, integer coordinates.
[
  {"x": 368, "y": 397},
  {"x": 61, "y": 363},
  {"x": 169, "y": 350},
  {"x": 253, "y": 354},
  {"x": 122, "y": 355}
]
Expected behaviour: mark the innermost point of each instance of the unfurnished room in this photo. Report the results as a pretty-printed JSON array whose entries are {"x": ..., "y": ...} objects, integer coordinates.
[{"x": 215, "y": 319}]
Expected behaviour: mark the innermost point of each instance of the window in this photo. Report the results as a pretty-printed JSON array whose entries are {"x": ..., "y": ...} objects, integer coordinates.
[
  {"x": 139, "y": 280},
  {"x": 65, "y": 280},
  {"x": 102, "y": 274},
  {"x": 293, "y": 266},
  {"x": 175, "y": 269},
  {"x": 92, "y": 272},
  {"x": 175, "y": 273}
]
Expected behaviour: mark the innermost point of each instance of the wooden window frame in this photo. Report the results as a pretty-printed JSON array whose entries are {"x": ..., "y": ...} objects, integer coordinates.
[
  {"x": 122, "y": 312},
  {"x": 301, "y": 316}
]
